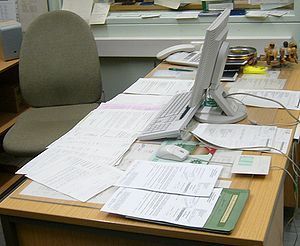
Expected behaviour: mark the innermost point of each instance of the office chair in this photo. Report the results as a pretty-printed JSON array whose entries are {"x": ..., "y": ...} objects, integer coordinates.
[{"x": 60, "y": 80}]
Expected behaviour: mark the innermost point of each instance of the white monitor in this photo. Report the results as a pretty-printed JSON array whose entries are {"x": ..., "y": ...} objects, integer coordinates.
[{"x": 209, "y": 73}]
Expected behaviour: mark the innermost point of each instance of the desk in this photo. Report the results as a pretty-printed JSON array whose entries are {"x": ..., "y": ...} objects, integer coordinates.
[{"x": 261, "y": 223}]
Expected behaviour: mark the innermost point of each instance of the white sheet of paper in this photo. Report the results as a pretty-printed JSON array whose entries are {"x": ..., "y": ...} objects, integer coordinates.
[
  {"x": 99, "y": 13},
  {"x": 127, "y": 120},
  {"x": 225, "y": 158},
  {"x": 257, "y": 83},
  {"x": 236, "y": 135},
  {"x": 252, "y": 164},
  {"x": 223, "y": 183},
  {"x": 297, "y": 132},
  {"x": 176, "y": 178},
  {"x": 162, "y": 207},
  {"x": 282, "y": 140},
  {"x": 29, "y": 10},
  {"x": 174, "y": 74},
  {"x": 82, "y": 8},
  {"x": 290, "y": 99},
  {"x": 188, "y": 15},
  {"x": 138, "y": 151},
  {"x": 38, "y": 190},
  {"x": 155, "y": 86},
  {"x": 8, "y": 10},
  {"x": 173, "y": 4},
  {"x": 71, "y": 175},
  {"x": 137, "y": 102}
]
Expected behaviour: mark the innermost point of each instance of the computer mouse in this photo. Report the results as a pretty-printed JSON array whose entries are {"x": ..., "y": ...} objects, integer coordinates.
[{"x": 172, "y": 152}]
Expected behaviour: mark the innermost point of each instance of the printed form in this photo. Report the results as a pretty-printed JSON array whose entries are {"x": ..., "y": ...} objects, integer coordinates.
[
  {"x": 162, "y": 207},
  {"x": 176, "y": 178},
  {"x": 155, "y": 86},
  {"x": 236, "y": 135}
]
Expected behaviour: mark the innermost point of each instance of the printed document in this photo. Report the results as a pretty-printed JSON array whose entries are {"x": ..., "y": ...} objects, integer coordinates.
[
  {"x": 136, "y": 102},
  {"x": 82, "y": 8},
  {"x": 257, "y": 83},
  {"x": 35, "y": 189},
  {"x": 290, "y": 99},
  {"x": 162, "y": 207},
  {"x": 252, "y": 164},
  {"x": 155, "y": 86},
  {"x": 71, "y": 175},
  {"x": 236, "y": 135},
  {"x": 99, "y": 13},
  {"x": 176, "y": 178}
]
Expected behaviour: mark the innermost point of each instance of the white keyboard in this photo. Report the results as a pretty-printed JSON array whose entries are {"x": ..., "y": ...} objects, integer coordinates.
[{"x": 171, "y": 120}]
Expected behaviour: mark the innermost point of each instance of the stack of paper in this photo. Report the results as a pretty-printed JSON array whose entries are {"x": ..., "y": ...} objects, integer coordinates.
[{"x": 180, "y": 194}]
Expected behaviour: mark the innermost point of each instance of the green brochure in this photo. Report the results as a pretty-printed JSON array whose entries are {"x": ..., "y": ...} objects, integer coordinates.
[{"x": 227, "y": 211}]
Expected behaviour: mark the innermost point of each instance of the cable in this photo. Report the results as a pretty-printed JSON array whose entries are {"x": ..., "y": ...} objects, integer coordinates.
[{"x": 265, "y": 98}]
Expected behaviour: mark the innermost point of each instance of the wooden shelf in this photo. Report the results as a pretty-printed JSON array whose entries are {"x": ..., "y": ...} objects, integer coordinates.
[
  {"x": 4, "y": 65},
  {"x": 8, "y": 119}
]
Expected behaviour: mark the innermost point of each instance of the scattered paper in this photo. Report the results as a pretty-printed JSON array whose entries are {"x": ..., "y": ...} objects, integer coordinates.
[
  {"x": 257, "y": 83},
  {"x": 173, "y": 4},
  {"x": 176, "y": 178},
  {"x": 252, "y": 164},
  {"x": 290, "y": 99},
  {"x": 99, "y": 13},
  {"x": 236, "y": 136},
  {"x": 155, "y": 86},
  {"x": 82, "y": 8},
  {"x": 8, "y": 10},
  {"x": 162, "y": 207}
]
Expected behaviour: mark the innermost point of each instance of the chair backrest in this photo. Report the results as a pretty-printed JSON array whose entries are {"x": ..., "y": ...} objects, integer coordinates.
[{"x": 59, "y": 63}]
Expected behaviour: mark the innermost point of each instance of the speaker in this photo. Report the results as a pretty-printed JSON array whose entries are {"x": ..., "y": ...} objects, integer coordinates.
[{"x": 10, "y": 40}]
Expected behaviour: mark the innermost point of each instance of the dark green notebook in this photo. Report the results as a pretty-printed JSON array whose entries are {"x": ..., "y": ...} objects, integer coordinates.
[{"x": 226, "y": 211}]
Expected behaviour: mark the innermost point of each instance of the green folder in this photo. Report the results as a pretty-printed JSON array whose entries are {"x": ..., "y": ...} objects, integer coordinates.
[{"x": 227, "y": 211}]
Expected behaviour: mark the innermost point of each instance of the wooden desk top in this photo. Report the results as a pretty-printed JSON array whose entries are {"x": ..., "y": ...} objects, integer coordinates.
[
  {"x": 252, "y": 227},
  {"x": 4, "y": 65}
]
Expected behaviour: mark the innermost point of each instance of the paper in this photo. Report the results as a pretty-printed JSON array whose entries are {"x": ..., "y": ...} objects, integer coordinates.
[
  {"x": 173, "y": 4},
  {"x": 281, "y": 140},
  {"x": 236, "y": 135},
  {"x": 70, "y": 175},
  {"x": 155, "y": 86},
  {"x": 176, "y": 178},
  {"x": 82, "y": 8},
  {"x": 226, "y": 159},
  {"x": 137, "y": 102},
  {"x": 257, "y": 83},
  {"x": 297, "y": 132},
  {"x": 127, "y": 120},
  {"x": 29, "y": 10},
  {"x": 99, "y": 13},
  {"x": 188, "y": 15},
  {"x": 162, "y": 207},
  {"x": 175, "y": 74},
  {"x": 37, "y": 190},
  {"x": 223, "y": 183},
  {"x": 290, "y": 99},
  {"x": 252, "y": 164},
  {"x": 138, "y": 151},
  {"x": 8, "y": 10}
]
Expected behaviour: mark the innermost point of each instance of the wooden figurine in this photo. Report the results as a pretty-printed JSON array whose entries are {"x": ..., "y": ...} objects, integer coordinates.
[
  {"x": 271, "y": 55},
  {"x": 292, "y": 53}
]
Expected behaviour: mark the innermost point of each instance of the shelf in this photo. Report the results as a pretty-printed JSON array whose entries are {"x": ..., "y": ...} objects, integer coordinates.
[
  {"x": 4, "y": 65},
  {"x": 7, "y": 120}
]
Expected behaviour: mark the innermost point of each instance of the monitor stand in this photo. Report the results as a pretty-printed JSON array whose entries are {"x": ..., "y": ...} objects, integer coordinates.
[{"x": 232, "y": 111}]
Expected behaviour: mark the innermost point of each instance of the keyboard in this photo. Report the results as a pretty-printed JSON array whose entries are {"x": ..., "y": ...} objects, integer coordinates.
[{"x": 171, "y": 120}]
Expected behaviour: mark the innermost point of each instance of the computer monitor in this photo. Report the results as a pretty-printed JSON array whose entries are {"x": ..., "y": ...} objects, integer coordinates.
[{"x": 210, "y": 70}]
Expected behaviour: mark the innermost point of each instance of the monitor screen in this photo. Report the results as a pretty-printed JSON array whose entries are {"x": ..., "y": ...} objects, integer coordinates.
[
  {"x": 215, "y": 35},
  {"x": 210, "y": 69}
]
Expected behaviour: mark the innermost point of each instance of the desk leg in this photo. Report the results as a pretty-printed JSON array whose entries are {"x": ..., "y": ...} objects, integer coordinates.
[{"x": 9, "y": 230}]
